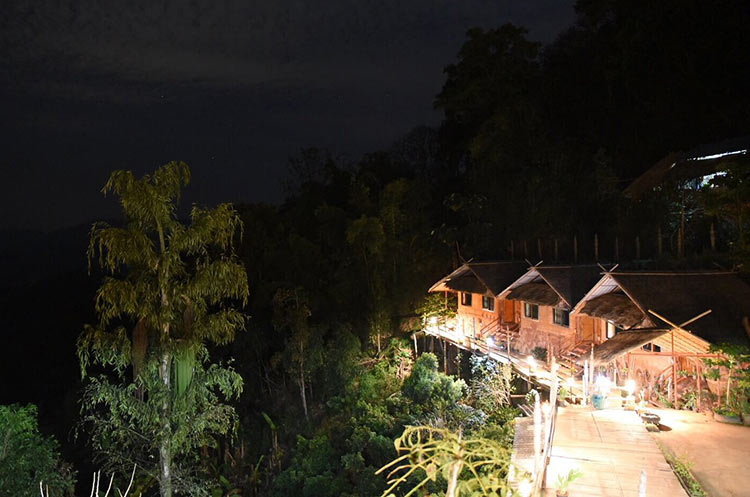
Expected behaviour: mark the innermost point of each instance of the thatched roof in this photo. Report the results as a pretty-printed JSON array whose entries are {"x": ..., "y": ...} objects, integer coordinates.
[
  {"x": 622, "y": 343},
  {"x": 570, "y": 282},
  {"x": 558, "y": 286},
  {"x": 537, "y": 292},
  {"x": 616, "y": 307},
  {"x": 680, "y": 296},
  {"x": 486, "y": 278},
  {"x": 700, "y": 161}
]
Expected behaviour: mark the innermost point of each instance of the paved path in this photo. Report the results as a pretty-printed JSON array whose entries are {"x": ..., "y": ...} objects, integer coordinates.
[
  {"x": 611, "y": 447},
  {"x": 719, "y": 452}
]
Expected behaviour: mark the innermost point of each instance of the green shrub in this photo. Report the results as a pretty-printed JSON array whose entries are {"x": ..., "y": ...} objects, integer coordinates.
[
  {"x": 427, "y": 387},
  {"x": 28, "y": 457},
  {"x": 539, "y": 353}
]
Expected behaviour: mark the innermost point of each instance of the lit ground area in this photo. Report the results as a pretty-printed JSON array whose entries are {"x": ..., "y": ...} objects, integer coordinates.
[
  {"x": 719, "y": 452},
  {"x": 611, "y": 447}
]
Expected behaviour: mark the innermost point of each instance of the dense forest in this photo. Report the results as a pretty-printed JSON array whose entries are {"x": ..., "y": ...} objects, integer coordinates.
[{"x": 536, "y": 147}]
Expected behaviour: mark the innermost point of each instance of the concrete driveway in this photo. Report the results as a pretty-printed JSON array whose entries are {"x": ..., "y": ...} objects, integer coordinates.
[{"x": 719, "y": 452}]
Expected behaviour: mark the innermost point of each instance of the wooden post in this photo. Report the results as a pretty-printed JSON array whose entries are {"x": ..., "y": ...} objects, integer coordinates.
[
  {"x": 537, "y": 434},
  {"x": 575, "y": 248},
  {"x": 591, "y": 375},
  {"x": 698, "y": 386},
  {"x": 659, "y": 245},
  {"x": 507, "y": 342},
  {"x": 680, "y": 248},
  {"x": 585, "y": 382},
  {"x": 512, "y": 250},
  {"x": 638, "y": 248},
  {"x": 539, "y": 247},
  {"x": 674, "y": 372},
  {"x": 525, "y": 250},
  {"x": 596, "y": 247}
]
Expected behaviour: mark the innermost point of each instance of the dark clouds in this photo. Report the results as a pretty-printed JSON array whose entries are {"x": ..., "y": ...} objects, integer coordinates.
[{"x": 233, "y": 87}]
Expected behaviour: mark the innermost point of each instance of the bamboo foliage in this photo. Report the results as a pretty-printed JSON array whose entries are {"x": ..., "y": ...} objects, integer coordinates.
[{"x": 177, "y": 287}]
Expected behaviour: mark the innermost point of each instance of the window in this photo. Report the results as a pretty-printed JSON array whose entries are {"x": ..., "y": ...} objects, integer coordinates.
[
  {"x": 650, "y": 347},
  {"x": 531, "y": 310},
  {"x": 466, "y": 299},
  {"x": 488, "y": 303},
  {"x": 612, "y": 329},
  {"x": 561, "y": 317}
]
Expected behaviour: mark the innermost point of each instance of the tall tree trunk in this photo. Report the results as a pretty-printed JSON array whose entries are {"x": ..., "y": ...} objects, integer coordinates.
[
  {"x": 165, "y": 445},
  {"x": 165, "y": 456},
  {"x": 302, "y": 391}
]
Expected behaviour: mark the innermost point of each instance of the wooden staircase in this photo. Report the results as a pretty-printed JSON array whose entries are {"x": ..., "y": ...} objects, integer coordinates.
[
  {"x": 501, "y": 332},
  {"x": 568, "y": 359}
]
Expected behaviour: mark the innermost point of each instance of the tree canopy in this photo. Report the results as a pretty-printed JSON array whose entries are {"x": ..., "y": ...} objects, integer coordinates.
[{"x": 169, "y": 290}]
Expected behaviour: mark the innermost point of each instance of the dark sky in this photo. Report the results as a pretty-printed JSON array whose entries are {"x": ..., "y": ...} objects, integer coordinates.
[{"x": 232, "y": 87}]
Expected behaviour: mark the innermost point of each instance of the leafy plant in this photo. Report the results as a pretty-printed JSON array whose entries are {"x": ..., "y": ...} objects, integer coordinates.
[
  {"x": 735, "y": 360},
  {"x": 429, "y": 389},
  {"x": 681, "y": 468},
  {"x": 688, "y": 400},
  {"x": 169, "y": 289},
  {"x": 491, "y": 384},
  {"x": 539, "y": 353},
  {"x": 564, "y": 480},
  {"x": 28, "y": 457},
  {"x": 727, "y": 411},
  {"x": 436, "y": 309},
  {"x": 473, "y": 466}
]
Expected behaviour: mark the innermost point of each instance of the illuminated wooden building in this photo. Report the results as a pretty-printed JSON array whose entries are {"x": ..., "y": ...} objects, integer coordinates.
[
  {"x": 658, "y": 324},
  {"x": 542, "y": 300},
  {"x": 480, "y": 313}
]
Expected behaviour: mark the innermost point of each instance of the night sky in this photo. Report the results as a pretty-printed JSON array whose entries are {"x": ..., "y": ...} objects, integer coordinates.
[{"x": 232, "y": 88}]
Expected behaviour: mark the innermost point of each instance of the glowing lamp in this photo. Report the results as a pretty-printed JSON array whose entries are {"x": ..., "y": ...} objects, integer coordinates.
[
  {"x": 433, "y": 320},
  {"x": 524, "y": 487},
  {"x": 603, "y": 384},
  {"x": 490, "y": 342},
  {"x": 531, "y": 361},
  {"x": 630, "y": 386}
]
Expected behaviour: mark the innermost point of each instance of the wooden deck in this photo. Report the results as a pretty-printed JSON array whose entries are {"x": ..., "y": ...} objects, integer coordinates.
[
  {"x": 536, "y": 372},
  {"x": 611, "y": 447}
]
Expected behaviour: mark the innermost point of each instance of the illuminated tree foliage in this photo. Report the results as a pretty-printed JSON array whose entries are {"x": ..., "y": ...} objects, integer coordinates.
[
  {"x": 28, "y": 457},
  {"x": 175, "y": 286},
  {"x": 468, "y": 466}
]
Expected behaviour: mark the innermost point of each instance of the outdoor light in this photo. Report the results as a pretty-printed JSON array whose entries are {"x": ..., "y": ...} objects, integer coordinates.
[
  {"x": 490, "y": 342},
  {"x": 603, "y": 384},
  {"x": 433, "y": 320},
  {"x": 531, "y": 361},
  {"x": 524, "y": 487},
  {"x": 630, "y": 386}
]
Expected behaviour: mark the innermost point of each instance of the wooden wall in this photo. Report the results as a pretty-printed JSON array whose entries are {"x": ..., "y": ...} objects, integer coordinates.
[
  {"x": 474, "y": 318},
  {"x": 542, "y": 332}
]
